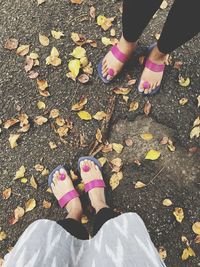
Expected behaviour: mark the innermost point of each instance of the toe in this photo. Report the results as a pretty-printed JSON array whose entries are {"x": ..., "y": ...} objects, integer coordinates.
[
  {"x": 55, "y": 177},
  {"x": 140, "y": 87},
  {"x": 63, "y": 171}
]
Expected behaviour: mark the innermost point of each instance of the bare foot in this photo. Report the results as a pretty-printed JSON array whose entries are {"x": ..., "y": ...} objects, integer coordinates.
[
  {"x": 153, "y": 78},
  {"x": 110, "y": 61},
  {"x": 60, "y": 188},
  {"x": 96, "y": 195}
]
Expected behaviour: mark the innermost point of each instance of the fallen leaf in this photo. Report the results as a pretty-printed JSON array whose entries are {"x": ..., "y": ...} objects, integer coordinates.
[
  {"x": 187, "y": 252},
  {"x": 162, "y": 253},
  {"x": 171, "y": 146},
  {"x": 57, "y": 34},
  {"x": 178, "y": 65},
  {"x": 100, "y": 115},
  {"x": 41, "y": 105},
  {"x": 53, "y": 59},
  {"x": 196, "y": 228},
  {"x": 20, "y": 173},
  {"x": 117, "y": 147},
  {"x": 146, "y": 136},
  {"x": 92, "y": 12},
  {"x": 164, "y": 5},
  {"x": 107, "y": 148},
  {"x": 88, "y": 69},
  {"x": 33, "y": 74},
  {"x": 40, "y": 120},
  {"x": 99, "y": 136},
  {"x": 185, "y": 240},
  {"x": 179, "y": 214},
  {"x": 157, "y": 36},
  {"x": 131, "y": 82},
  {"x": 3, "y": 235},
  {"x": 134, "y": 106},
  {"x": 45, "y": 172},
  {"x": 10, "y": 123},
  {"x": 33, "y": 56},
  {"x": 60, "y": 121},
  {"x": 183, "y": 101},
  {"x": 54, "y": 113},
  {"x": 73, "y": 175},
  {"x": 106, "y": 41},
  {"x": 153, "y": 154},
  {"x": 84, "y": 115},
  {"x": 23, "y": 50},
  {"x": 42, "y": 84},
  {"x": 44, "y": 40},
  {"x": 112, "y": 32},
  {"x": 198, "y": 99},
  {"x": 39, "y": 167},
  {"x": 7, "y": 193},
  {"x": 33, "y": 182},
  {"x": 13, "y": 140},
  {"x": 197, "y": 239},
  {"x": 81, "y": 187},
  {"x": 104, "y": 22},
  {"x": 40, "y": 2},
  {"x": 195, "y": 132},
  {"x": 52, "y": 145},
  {"x": 129, "y": 142},
  {"x": 116, "y": 164},
  {"x": 167, "y": 202},
  {"x": 102, "y": 161},
  {"x": 83, "y": 78},
  {"x": 78, "y": 39},
  {"x": 77, "y": 1},
  {"x": 196, "y": 122},
  {"x": 28, "y": 64},
  {"x": 115, "y": 179},
  {"x": 147, "y": 107},
  {"x": 139, "y": 184},
  {"x": 24, "y": 129},
  {"x": 184, "y": 81},
  {"x": 84, "y": 62},
  {"x": 18, "y": 213},
  {"x": 11, "y": 44},
  {"x": 46, "y": 204},
  {"x": 44, "y": 93},
  {"x": 121, "y": 90},
  {"x": 74, "y": 67},
  {"x": 193, "y": 149},
  {"x": 164, "y": 140},
  {"x": 24, "y": 180},
  {"x": 30, "y": 204},
  {"x": 62, "y": 131},
  {"x": 141, "y": 60},
  {"x": 84, "y": 219},
  {"x": 78, "y": 52}
]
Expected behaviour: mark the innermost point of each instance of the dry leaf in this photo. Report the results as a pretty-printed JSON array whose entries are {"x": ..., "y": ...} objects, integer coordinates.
[
  {"x": 183, "y": 101},
  {"x": 54, "y": 113},
  {"x": 171, "y": 146},
  {"x": 198, "y": 99},
  {"x": 100, "y": 115},
  {"x": 99, "y": 136},
  {"x": 162, "y": 253},
  {"x": 178, "y": 65},
  {"x": 33, "y": 74},
  {"x": 196, "y": 228},
  {"x": 115, "y": 179},
  {"x": 84, "y": 115},
  {"x": 104, "y": 22},
  {"x": 41, "y": 105},
  {"x": 40, "y": 120},
  {"x": 117, "y": 147},
  {"x": 52, "y": 145},
  {"x": 57, "y": 34},
  {"x": 60, "y": 121},
  {"x": 131, "y": 82},
  {"x": 13, "y": 140},
  {"x": 77, "y": 1},
  {"x": 30, "y": 204},
  {"x": 33, "y": 56},
  {"x": 62, "y": 131},
  {"x": 187, "y": 252},
  {"x": 81, "y": 187},
  {"x": 146, "y": 136},
  {"x": 134, "y": 106},
  {"x": 11, "y": 44},
  {"x": 23, "y": 50},
  {"x": 33, "y": 182},
  {"x": 102, "y": 161},
  {"x": 24, "y": 180},
  {"x": 139, "y": 184},
  {"x": 92, "y": 12},
  {"x": 167, "y": 202},
  {"x": 164, "y": 141},
  {"x": 112, "y": 32},
  {"x": 153, "y": 154},
  {"x": 78, "y": 52},
  {"x": 20, "y": 173},
  {"x": 184, "y": 82},
  {"x": 45, "y": 172},
  {"x": 197, "y": 239},
  {"x": 88, "y": 69},
  {"x": 179, "y": 214},
  {"x": 84, "y": 62},
  {"x": 42, "y": 84},
  {"x": 196, "y": 122},
  {"x": 83, "y": 78},
  {"x": 46, "y": 204},
  {"x": 7, "y": 193},
  {"x": 39, "y": 167},
  {"x": 106, "y": 41},
  {"x": 164, "y": 5},
  {"x": 107, "y": 148},
  {"x": 147, "y": 108},
  {"x": 18, "y": 213},
  {"x": 121, "y": 91},
  {"x": 3, "y": 235},
  {"x": 84, "y": 219},
  {"x": 157, "y": 36},
  {"x": 78, "y": 39},
  {"x": 10, "y": 123},
  {"x": 44, "y": 40},
  {"x": 40, "y": 2},
  {"x": 116, "y": 164},
  {"x": 73, "y": 175},
  {"x": 195, "y": 132},
  {"x": 29, "y": 62},
  {"x": 53, "y": 59}
]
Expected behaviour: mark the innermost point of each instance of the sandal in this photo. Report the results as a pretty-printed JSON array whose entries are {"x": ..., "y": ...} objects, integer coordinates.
[
  {"x": 119, "y": 56},
  {"x": 153, "y": 67},
  {"x": 66, "y": 198},
  {"x": 96, "y": 183}
]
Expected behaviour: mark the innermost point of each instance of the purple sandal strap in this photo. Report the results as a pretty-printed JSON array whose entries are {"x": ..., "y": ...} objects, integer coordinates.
[
  {"x": 154, "y": 67},
  {"x": 64, "y": 200},
  {"x": 94, "y": 184},
  {"x": 118, "y": 54}
]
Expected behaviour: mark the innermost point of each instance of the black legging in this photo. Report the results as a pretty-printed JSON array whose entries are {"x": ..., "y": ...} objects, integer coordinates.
[
  {"x": 76, "y": 229},
  {"x": 182, "y": 23}
]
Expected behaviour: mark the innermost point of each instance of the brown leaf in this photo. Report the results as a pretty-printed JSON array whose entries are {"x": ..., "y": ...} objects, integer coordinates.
[
  {"x": 178, "y": 65},
  {"x": 42, "y": 84},
  {"x": 88, "y": 69},
  {"x": 78, "y": 39},
  {"x": 60, "y": 121},
  {"x": 46, "y": 204},
  {"x": 10, "y": 123},
  {"x": 23, "y": 118},
  {"x": 83, "y": 78},
  {"x": 7, "y": 193},
  {"x": 107, "y": 148},
  {"x": 24, "y": 129},
  {"x": 13, "y": 140},
  {"x": 78, "y": 106},
  {"x": 197, "y": 239},
  {"x": 193, "y": 149},
  {"x": 33, "y": 74},
  {"x": 116, "y": 164},
  {"x": 121, "y": 90},
  {"x": 62, "y": 131},
  {"x": 39, "y": 167},
  {"x": 11, "y": 44},
  {"x": 28, "y": 64},
  {"x": 92, "y": 12},
  {"x": 147, "y": 107},
  {"x": 30, "y": 204},
  {"x": 164, "y": 140}
]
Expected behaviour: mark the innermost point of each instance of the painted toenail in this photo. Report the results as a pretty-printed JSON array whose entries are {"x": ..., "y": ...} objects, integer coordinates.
[
  {"x": 146, "y": 85},
  {"x": 86, "y": 168},
  {"x": 111, "y": 72},
  {"x": 62, "y": 176}
]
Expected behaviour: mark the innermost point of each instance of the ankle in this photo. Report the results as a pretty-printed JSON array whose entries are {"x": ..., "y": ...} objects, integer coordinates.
[
  {"x": 75, "y": 214},
  {"x": 99, "y": 205},
  {"x": 157, "y": 54}
]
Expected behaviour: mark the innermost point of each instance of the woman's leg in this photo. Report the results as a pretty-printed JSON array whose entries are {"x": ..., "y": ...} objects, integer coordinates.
[
  {"x": 72, "y": 223},
  {"x": 181, "y": 25}
]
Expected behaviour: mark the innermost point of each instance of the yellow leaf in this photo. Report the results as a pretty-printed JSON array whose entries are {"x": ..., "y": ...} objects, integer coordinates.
[
  {"x": 184, "y": 82},
  {"x": 24, "y": 180},
  {"x": 45, "y": 172},
  {"x": 139, "y": 184},
  {"x": 187, "y": 252},
  {"x": 52, "y": 145},
  {"x": 134, "y": 106},
  {"x": 74, "y": 67},
  {"x": 39, "y": 167},
  {"x": 167, "y": 202},
  {"x": 196, "y": 228},
  {"x": 34, "y": 56},
  {"x": 106, "y": 41},
  {"x": 33, "y": 182},
  {"x": 84, "y": 115},
  {"x": 84, "y": 219},
  {"x": 41, "y": 105},
  {"x": 152, "y": 154},
  {"x": 3, "y": 235},
  {"x": 80, "y": 104},
  {"x": 77, "y": 1},
  {"x": 117, "y": 147},
  {"x": 84, "y": 62},
  {"x": 147, "y": 136},
  {"x": 13, "y": 140},
  {"x": 78, "y": 52},
  {"x": 115, "y": 179},
  {"x": 100, "y": 115},
  {"x": 20, "y": 173},
  {"x": 179, "y": 214},
  {"x": 42, "y": 84},
  {"x": 171, "y": 146},
  {"x": 102, "y": 161},
  {"x": 196, "y": 122},
  {"x": 80, "y": 187},
  {"x": 73, "y": 175},
  {"x": 22, "y": 50},
  {"x": 104, "y": 22},
  {"x": 183, "y": 101},
  {"x": 30, "y": 204},
  {"x": 56, "y": 34},
  {"x": 121, "y": 91},
  {"x": 195, "y": 132},
  {"x": 44, "y": 40}
]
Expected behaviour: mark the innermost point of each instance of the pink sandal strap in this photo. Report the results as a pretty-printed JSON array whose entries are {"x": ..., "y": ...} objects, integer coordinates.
[
  {"x": 118, "y": 54},
  {"x": 94, "y": 184},
  {"x": 154, "y": 67},
  {"x": 64, "y": 200}
]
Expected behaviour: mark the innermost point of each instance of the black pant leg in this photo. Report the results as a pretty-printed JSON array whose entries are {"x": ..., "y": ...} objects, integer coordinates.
[
  {"x": 75, "y": 228},
  {"x": 182, "y": 24},
  {"x": 101, "y": 217},
  {"x": 136, "y": 16}
]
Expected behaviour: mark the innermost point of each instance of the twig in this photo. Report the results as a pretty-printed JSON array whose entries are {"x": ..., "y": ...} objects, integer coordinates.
[
  {"x": 78, "y": 17},
  {"x": 151, "y": 181}
]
